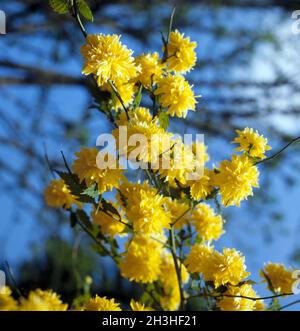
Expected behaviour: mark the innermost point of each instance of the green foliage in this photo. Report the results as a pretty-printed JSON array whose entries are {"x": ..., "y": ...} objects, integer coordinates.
[
  {"x": 138, "y": 98},
  {"x": 85, "y": 10},
  {"x": 164, "y": 120},
  {"x": 63, "y": 7},
  {"x": 59, "y": 6}
]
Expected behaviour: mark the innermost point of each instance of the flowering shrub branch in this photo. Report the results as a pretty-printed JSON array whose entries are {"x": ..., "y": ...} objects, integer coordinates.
[{"x": 167, "y": 221}]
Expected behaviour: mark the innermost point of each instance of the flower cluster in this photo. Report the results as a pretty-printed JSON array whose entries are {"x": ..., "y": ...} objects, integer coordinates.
[{"x": 165, "y": 215}]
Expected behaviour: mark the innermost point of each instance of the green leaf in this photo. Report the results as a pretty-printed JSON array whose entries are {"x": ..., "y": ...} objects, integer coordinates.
[
  {"x": 59, "y": 6},
  {"x": 91, "y": 191},
  {"x": 84, "y": 218},
  {"x": 85, "y": 10},
  {"x": 74, "y": 185},
  {"x": 138, "y": 98},
  {"x": 164, "y": 120},
  {"x": 98, "y": 249},
  {"x": 107, "y": 206}
]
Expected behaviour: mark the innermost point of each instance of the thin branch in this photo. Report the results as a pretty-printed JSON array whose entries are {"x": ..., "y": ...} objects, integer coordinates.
[
  {"x": 279, "y": 152},
  {"x": 289, "y": 304}
]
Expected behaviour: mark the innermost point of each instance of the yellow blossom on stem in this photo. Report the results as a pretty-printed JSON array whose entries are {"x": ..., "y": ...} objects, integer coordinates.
[
  {"x": 176, "y": 95},
  {"x": 202, "y": 187},
  {"x": 251, "y": 142},
  {"x": 235, "y": 301},
  {"x": 40, "y": 300},
  {"x": 179, "y": 212},
  {"x": 151, "y": 69},
  {"x": 144, "y": 208},
  {"x": 58, "y": 195},
  {"x": 107, "y": 58},
  {"x": 181, "y": 52},
  {"x": 208, "y": 225},
  {"x": 236, "y": 178},
  {"x": 141, "y": 261},
  {"x": 109, "y": 223},
  {"x": 101, "y": 304},
  {"x": 85, "y": 167},
  {"x": 279, "y": 278},
  {"x": 137, "y": 306},
  {"x": 7, "y": 302}
]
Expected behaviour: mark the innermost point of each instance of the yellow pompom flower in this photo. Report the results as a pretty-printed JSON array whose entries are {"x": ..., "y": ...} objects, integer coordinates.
[
  {"x": 85, "y": 167},
  {"x": 200, "y": 260},
  {"x": 279, "y": 276},
  {"x": 176, "y": 94},
  {"x": 222, "y": 269},
  {"x": 202, "y": 187},
  {"x": 58, "y": 195},
  {"x": 141, "y": 261},
  {"x": 141, "y": 123},
  {"x": 200, "y": 152},
  {"x": 181, "y": 163},
  {"x": 137, "y": 306},
  {"x": 107, "y": 58},
  {"x": 208, "y": 225},
  {"x": 109, "y": 224},
  {"x": 151, "y": 69},
  {"x": 181, "y": 54},
  {"x": 101, "y": 304},
  {"x": 236, "y": 178},
  {"x": 168, "y": 277},
  {"x": 144, "y": 208},
  {"x": 7, "y": 302},
  {"x": 179, "y": 212},
  {"x": 239, "y": 304},
  {"x": 251, "y": 142},
  {"x": 126, "y": 92},
  {"x": 40, "y": 300}
]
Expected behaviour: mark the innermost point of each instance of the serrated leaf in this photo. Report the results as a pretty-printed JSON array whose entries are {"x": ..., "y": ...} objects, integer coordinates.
[
  {"x": 91, "y": 191},
  {"x": 164, "y": 120},
  {"x": 85, "y": 10},
  {"x": 59, "y": 6},
  {"x": 73, "y": 183}
]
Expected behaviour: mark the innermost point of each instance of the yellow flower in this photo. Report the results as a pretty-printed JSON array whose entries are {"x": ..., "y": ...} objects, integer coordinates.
[
  {"x": 237, "y": 303},
  {"x": 236, "y": 179},
  {"x": 199, "y": 260},
  {"x": 39, "y": 300},
  {"x": 7, "y": 302},
  {"x": 222, "y": 269},
  {"x": 200, "y": 151},
  {"x": 151, "y": 69},
  {"x": 179, "y": 212},
  {"x": 141, "y": 261},
  {"x": 201, "y": 188},
  {"x": 181, "y": 163},
  {"x": 102, "y": 304},
  {"x": 252, "y": 143},
  {"x": 87, "y": 170},
  {"x": 109, "y": 223},
  {"x": 280, "y": 277},
  {"x": 176, "y": 94},
  {"x": 168, "y": 277},
  {"x": 126, "y": 92},
  {"x": 58, "y": 195},
  {"x": 144, "y": 208},
  {"x": 181, "y": 54},
  {"x": 208, "y": 225},
  {"x": 108, "y": 59},
  {"x": 141, "y": 123},
  {"x": 137, "y": 306}
]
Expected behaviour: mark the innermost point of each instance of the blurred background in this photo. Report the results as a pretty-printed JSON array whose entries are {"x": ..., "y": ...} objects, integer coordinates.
[{"x": 248, "y": 74}]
